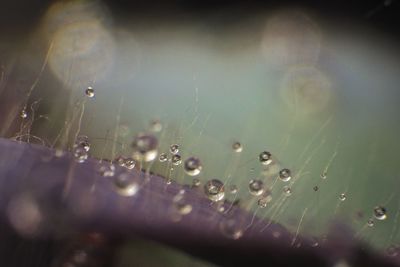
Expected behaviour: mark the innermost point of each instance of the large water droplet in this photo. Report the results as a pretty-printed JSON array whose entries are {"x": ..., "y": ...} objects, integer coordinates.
[
  {"x": 265, "y": 158},
  {"x": 214, "y": 190},
  {"x": 145, "y": 147},
  {"x": 285, "y": 175},
  {"x": 256, "y": 187},
  {"x": 380, "y": 213},
  {"x": 80, "y": 154},
  {"x": 89, "y": 92},
  {"x": 237, "y": 147},
  {"x": 126, "y": 184},
  {"x": 192, "y": 166}
]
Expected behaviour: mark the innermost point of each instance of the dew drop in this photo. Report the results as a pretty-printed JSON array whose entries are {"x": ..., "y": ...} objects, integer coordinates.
[
  {"x": 256, "y": 187},
  {"x": 125, "y": 184},
  {"x": 323, "y": 175},
  {"x": 370, "y": 222},
  {"x": 214, "y": 190},
  {"x": 155, "y": 126},
  {"x": 263, "y": 202},
  {"x": 231, "y": 228},
  {"x": 180, "y": 203},
  {"x": 196, "y": 182},
  {"x": 129, "y": 163},
  {"x": 145, "y": 147},
  {"x": 23, "y": 114},
  {"x": 380, "y": 213},
  {"x": 287, "y": 190},
  {"x": 233, "y": 189},
  {"x": 342, "y": 197},
  {"x": 237, "y": 147},
  {"x": 106, "y": 170},
  {"x": 174, "y": 149},
  {"x": 285, "y": 175},
  {"x": 163, "y": 157},
  {"x": 89, "y": 92},
  {"x": 120, "y": 160},
  {"x": 83, "y": 141},
  {"x": 176, "y": 160},
  {"x": 265, "y": 158},
  {"x": 193, "y": 166},
  {"x": 80, "y": 154},
  {"x": 315, "y": 188}
]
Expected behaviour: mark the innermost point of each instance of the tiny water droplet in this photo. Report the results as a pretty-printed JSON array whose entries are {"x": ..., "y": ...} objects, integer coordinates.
[
  {"x": 370, "y": 222},
  {"x": 106, "y": 170},
  {"x": 265, "y": 158},
  {"x": 155, "y": 126},
  {"x": 129, "y": 163},
  {"x": 214, "y": 190},
  {"x": 193, "y": 166},
  {"x": 285, "y": 175},
  {"x": 174, "y": 149},
  {"x": 287, "y": 190},
  {"x": 180, "y": 203},
  {"x": 176, "y": 160},
  {"x": 256, "y": 187},
  {"x": 323, "y": 175},
  {"x": 145, "y": 147},
  {"x": 237, "y": 147},
  {"x": 83, "y": 141},
  {"x": 380, "y": 213},
  {"x": 342, "y": 197},
  {"x": 23, "y": 114},
  {"x": 263, "y": 202},
  {"x": 163, "y": 157},
  {"x": 196, "y": 182},
  {"x": 231, "y": 228},
  {"x": 120, "y": 160},
  {"x": 315, "y": 188},
  {"x": 89, "y": 92},
  {"x": 80, "y": 154},
  {"x": 233, "y": 189},
  {"x": 125, "y": 184}
]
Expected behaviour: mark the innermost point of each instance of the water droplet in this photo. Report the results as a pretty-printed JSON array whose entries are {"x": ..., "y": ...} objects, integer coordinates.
[
  {"x": 342, "y": 197},
  {"x": 265, "y": 158},
  {"x": 176, "y": 159},
  {"x": 129, "y": 163},
  {"x": 163, "y": 157},
  {"x": 323, "y": 175},
  {"x": 315, "y": 188},
  {"x": 231, "y": 228},
  {"x": 237, "y": 147},
  {"x": 174, "y": 149},
  {"x": 256, "y": 187},
  {"x": 145, "y": 147},
  {"x": 196, "y": 182},
  {"x": 285, "y": 175},
  {"x": 83, "y": 141},
  {"x": 287, "y": 190},
  {"x": 89, "y": 92},
  {"x": 106, "y": 170},
  {"x": 23, "y": 114},
  {"x": 80, "y": 154},
  {"x": 392, "y": 251},
  {"x": 168, "y": 181},
  {"x": 126, "y": 185},
  {"x": 233, "y": 189},
  {"x": 155, "y": 126},
  {"x": 193, "y": 166},
  {"x": 263, "y": 202},
  {"x": 180, "y": 203},
  {"x": 214, "y": 190},
  {"x": 380, "y": 213},
  {"x": 120, "y": 160},
  {"x": 370, "y": 222}
]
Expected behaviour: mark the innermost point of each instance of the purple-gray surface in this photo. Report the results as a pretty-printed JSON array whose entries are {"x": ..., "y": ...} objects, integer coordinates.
[{"x": 72, "y": 197}]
